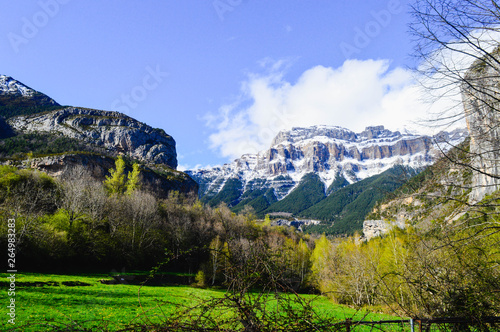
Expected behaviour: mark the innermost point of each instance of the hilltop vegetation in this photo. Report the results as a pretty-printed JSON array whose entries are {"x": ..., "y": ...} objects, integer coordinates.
[{"x": 40, "y": 144}]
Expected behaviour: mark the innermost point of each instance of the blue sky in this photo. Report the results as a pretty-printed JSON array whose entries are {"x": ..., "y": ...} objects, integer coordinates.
[{"x": 221, "y": 76}]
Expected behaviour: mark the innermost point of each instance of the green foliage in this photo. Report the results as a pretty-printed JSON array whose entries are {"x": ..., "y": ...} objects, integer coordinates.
[
  {"x": 133, "y": 179},
  {"x": 40, "y": 144},
  {"x": 15, "y": 184},
  {"x": 115, "y": 182},
  {"x": 259, "y": 200}
]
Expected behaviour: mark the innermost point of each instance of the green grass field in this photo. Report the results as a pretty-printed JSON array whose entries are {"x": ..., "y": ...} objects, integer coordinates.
[{"x": 101, "y": 307}]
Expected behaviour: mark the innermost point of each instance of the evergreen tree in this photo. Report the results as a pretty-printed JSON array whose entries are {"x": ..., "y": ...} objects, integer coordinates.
[
  {"x": 115, "y": 182},
  {"x": 133, "y": 180}
]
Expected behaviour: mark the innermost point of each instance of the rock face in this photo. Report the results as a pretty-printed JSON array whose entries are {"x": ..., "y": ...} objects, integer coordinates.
[
  {"x": 15, "y": 92},
  {"x": 331, "y": 152},
  {"x": 111, "y": 130},
  {"x": 481, "y": 99},
  {"x": 106, "y": 134}
]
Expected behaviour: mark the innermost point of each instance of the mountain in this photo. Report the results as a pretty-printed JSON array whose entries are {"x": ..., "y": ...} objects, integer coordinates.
[
  {"x": 303, "y": 166},
  {"x": 59, "y": 138},
  {"x": 17, "y": 98},
  {"x": 441, "y": 192}
]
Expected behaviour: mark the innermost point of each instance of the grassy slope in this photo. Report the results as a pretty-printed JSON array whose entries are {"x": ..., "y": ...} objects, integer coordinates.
[{"x": 114, "y": 306}]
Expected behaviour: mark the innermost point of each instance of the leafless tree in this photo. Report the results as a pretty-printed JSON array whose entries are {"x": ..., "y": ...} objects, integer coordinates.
[{"x": 82, "y": 196}]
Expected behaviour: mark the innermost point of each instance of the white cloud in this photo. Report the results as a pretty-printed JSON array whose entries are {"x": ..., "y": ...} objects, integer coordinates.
[{"x": 355, "y": 95}]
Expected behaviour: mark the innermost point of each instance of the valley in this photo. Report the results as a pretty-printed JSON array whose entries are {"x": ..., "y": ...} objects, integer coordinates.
[{"x": 109, "y": 226}]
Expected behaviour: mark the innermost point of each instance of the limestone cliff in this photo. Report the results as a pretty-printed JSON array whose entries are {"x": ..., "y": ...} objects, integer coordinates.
[
  {"x": 111, "y": 130},
  {"x": 481, "y": 99}
]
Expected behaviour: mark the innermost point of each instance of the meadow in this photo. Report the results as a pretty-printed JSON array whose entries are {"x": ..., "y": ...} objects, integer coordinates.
[{"x": 80, "y": 302}]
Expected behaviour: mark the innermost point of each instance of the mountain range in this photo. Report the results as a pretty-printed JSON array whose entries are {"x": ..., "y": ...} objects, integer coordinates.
[{"x": 316, "y": 172}]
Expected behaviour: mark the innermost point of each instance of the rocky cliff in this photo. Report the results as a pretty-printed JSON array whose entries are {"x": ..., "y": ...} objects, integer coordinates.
[
  {"x": 481, "y": 99},
  {"x": 113, "y": 131}
]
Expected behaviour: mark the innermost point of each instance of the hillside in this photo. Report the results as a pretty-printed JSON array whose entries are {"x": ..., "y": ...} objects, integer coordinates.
[
  {"x": 343, "y": 211},
  {"x": 441, "y": 192}
]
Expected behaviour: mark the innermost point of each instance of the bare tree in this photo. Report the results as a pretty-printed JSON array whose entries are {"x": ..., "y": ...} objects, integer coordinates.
[
  {"x": 34, "y": 195},
  {"x": 83, "y": 196}
]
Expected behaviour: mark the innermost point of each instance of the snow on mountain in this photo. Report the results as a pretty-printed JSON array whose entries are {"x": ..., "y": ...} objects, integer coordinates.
[
  {"x": 328, "y": 151},
  {"x": 8, "y": 85},
  {"x": 11, "y": 88}
]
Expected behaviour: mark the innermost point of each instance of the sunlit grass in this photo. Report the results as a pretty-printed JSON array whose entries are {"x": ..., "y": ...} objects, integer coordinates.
[{"x": 112, "y": 307}]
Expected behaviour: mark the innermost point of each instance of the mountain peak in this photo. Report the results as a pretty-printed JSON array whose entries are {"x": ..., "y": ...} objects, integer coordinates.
[
  {"x": 297, "y": 134},
  {"x": 11, "y": 86},
  {"x": 13, "y": 92}
]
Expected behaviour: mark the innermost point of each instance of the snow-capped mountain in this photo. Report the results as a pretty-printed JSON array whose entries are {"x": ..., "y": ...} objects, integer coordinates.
[
  {"x": 328, "y": 151},
  {"x": 11, "y": 90}
]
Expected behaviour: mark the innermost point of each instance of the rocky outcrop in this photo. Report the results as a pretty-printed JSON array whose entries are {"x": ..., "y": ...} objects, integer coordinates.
[
  {"x": 481, "y": 99},
  {"x": 112, "y": 130},
  {"x": 328, "y": 151},
  {"x": 374, "y": 228}
]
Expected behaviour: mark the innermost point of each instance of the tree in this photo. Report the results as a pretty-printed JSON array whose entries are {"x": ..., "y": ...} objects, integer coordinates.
[
  {"x": 133, "y": 180},
  {"x": 82, "y": 196},
  {"x": 115, "y": 182},
  {"x": 457, "y": 42}
]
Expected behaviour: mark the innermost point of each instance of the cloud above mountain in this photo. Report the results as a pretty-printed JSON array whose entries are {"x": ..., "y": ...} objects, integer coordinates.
[{"x": 354, "y": 95}]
